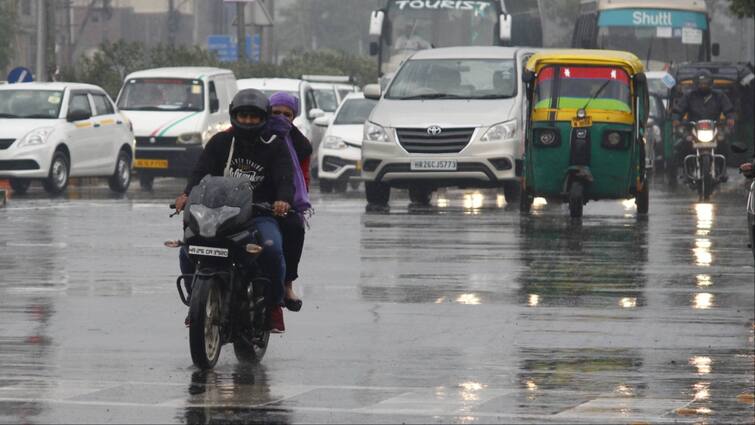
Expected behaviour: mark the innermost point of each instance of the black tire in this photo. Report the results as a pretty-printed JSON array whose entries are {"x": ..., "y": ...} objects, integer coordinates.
[
  {"x": 121, "y": 178},
  {"x": 204, "y": 328},
  {"x": 326, "y": 186},
  {"x": 146, "y": 182},
  {"x": 512, "y": 191},
  {"x": 354, "y": 184},
  {"x": 20, "y": 186},
  {"x": 706, "y": 182},
  {"x": 420, "y": 196},
  {"x": 57, "y": 179},
  {"x": 341, "y": 186},
  {"x": 643, "y": 199},
  {"x": 576, "y": 199},
  {"x": 377, "y": 194},
  {"x": 525, "y": 202},
  {"x": 246, "y": 350}
]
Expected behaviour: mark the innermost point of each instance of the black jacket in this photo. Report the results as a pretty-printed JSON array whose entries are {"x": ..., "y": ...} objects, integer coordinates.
[
  {"x": 268, "y": 166},
  {"x": 302, "y": 146},
  {"x": 703, "y": 107}
]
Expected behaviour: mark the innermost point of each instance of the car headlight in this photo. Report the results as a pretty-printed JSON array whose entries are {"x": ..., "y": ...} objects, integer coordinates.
[
  {"x": 333, "y": 142},
  {"x": 501, "y": 131},
  {"x": 374, "y": 132},
  {"x": 190, "y": 139},
  {"x": 705, "y": 136},
  {"x": 37, "y": 136}
]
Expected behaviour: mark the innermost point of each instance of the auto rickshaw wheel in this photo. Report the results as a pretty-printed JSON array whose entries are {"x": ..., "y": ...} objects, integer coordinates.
[
  {"x": 643, "y": 199},
  {"x": 576, "y": 199},
  {"x": 525, "y": 202},
  {"x": 512, "y": 191}
]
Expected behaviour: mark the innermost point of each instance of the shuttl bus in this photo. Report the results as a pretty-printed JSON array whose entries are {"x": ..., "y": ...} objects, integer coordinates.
[
  {"x": 658, "y": 32},
  {"x": 403, "y": 27}
]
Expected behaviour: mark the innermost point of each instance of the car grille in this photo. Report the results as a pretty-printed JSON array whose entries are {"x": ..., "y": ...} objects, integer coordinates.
[
  {"x": 5, "y": 143},
  {"x": 450, "y": 140},
  {"x": 159, "y": 141},
  {"x": 18, "y": 165}
]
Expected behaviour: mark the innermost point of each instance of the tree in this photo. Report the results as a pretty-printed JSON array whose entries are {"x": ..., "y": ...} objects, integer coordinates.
[
  {"x": 742, "y": 8},
  {"x": 8, "y": 14}
]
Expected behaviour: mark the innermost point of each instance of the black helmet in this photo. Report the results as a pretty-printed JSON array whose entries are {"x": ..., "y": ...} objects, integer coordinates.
[
  {"x": 704, "y": 76},
  {"x": 250, "y": 101}
]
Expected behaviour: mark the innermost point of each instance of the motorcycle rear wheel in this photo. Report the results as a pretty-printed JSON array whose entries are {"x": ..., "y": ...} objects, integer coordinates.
[{"x": 204, "y": 330}]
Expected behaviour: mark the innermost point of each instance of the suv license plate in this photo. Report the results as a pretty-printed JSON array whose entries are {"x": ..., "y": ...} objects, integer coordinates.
[
  {"x": 208, "y": 251},
  {"x": 432, "y": 165}
]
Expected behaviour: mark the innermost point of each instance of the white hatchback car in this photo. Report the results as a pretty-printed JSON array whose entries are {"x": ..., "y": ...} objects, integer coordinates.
[
  {"x": 53, "y": 131},
  {"x": 341, "y": 147}
]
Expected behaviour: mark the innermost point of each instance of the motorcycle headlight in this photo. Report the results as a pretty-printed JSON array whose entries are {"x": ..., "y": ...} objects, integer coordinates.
[
  {"x": 705, "y": 136},
  {"x": 374, "y": 132},
  {"x": 190, "y": 139},
  {"x": 501, "y": 131},
  {"x": 333, "y": 142},
  {"x": 210, "y": 219},
  {"x": 37, "y": 136}
]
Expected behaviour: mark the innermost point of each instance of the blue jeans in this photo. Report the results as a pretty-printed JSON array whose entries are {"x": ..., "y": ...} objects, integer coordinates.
[{"x": 270, "y": 261}]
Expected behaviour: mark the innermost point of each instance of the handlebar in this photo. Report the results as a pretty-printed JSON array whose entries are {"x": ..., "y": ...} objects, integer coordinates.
[{"x": 264, "y": 206}]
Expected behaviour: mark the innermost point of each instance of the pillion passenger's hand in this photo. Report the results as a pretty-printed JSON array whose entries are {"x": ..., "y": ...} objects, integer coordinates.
[
  {"x": 181, "y": 202},
  {"x": 280, "y": 208}
]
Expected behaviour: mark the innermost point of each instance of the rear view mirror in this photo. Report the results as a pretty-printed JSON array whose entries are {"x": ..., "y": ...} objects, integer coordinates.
[
  {"x": 372, "y": 91},
  {"x": 214, "y": 105},
  {"x": 376, "y": 23},
  {"x": 315, "y": 113},
  {"x": 504, "y": 24},
  {"x": 78, "y": 115},
  {"x": 738, "y": 147},
  {"x": 528, "y": 76},
  {"x": 715, "y": 49},
  {"x": 322, "y": 121},
  {"x": 374, "y": 48}
]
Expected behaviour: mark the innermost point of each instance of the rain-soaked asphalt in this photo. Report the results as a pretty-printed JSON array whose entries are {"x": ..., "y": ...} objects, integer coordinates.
[{"x": 463, "y": 313}]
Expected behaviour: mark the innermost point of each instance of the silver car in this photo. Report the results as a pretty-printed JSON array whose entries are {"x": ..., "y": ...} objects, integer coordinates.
[{"x": 450, "y": 117}]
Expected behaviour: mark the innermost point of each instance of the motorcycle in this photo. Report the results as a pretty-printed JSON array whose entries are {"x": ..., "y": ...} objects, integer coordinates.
[
  {"x": 704, "y": 169},
  {"x": 227, "y": 293},
  {"x": 749, "y": 174}
]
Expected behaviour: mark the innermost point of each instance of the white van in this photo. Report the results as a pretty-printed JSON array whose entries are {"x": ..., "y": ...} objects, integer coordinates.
[
  {"x": 307, "y": 105},
  {"x": 450, "y": 117},
  {"x": 175, "y": 112}
]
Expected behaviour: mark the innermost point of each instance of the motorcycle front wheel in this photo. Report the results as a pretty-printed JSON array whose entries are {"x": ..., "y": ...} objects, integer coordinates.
[
  {"x": 204, "y": 328},
  {"x": 706, "y": 179}
]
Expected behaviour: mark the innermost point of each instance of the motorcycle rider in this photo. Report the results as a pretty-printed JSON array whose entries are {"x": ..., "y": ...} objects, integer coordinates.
[
  {"x": 247, "y": 150},
  {"x": 702, "y": 103}
]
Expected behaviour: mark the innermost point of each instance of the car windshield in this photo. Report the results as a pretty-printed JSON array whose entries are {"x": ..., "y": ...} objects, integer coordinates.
[
  {"x": 656, "y": 107},
  {"x": 657, "y": 86},
  {"x": 21, "y": 103},
  {"x": 162, "y": 94},
  {"x": 572, "y": 87},
  {"x": 454, "y": 79},
  {"x": 326, "y": 99},
  {"x": 354, "y": 111}
]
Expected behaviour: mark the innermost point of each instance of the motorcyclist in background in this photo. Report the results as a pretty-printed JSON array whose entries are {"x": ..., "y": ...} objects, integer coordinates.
[
  {"x": 702, "y": 103},
  {"x": 248, "y": 150}
]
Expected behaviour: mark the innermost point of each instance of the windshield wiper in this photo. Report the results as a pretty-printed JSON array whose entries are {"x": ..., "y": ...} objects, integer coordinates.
[
  {"x": 37, "y": 116},
  {"x": 596, "y": 94},
  {"x": 143, "y": 108},
  {"x": 431, "y": 96},
  {"x": 492, "y": 96},
  {"x": 8, "y": 116}
]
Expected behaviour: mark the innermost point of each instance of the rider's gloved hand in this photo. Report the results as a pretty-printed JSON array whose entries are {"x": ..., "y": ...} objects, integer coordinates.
[
  {"x": 746, "y": 167},
  {"x": 277, "y": 125},
  {"x": 181, "y": 202}
]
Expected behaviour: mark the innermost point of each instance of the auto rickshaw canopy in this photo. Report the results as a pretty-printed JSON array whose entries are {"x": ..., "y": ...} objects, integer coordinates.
[{"x": 625, "y": 60}]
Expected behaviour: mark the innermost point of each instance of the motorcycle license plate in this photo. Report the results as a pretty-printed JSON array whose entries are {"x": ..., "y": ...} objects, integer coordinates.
[
  {"x": 208, "y": 251},
  {"x": 704, "y": 145}
]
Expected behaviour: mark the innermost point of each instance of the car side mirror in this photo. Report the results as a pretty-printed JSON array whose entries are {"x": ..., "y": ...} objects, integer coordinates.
[
  {"x": 504, "y": 26},
  {"x": 315, "y": 113},
  {"x": 214, "y": 105},
  {"x": 372, "y": 91},
  {"x": 737, "y": 147},
  {"x": 374, "y": 48},
  {"x": 78, "y": 115},
  {"x": 715, "y": 49},
  {"x": 322, "y": 121},
  {"x": 528, "y": 76}
]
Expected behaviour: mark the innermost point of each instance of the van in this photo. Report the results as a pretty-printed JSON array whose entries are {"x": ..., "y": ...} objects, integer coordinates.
[
  {"x": 175, "y": 111},
  {"x": 308, "y": 107},
  {"x": 449, "y": 117}
]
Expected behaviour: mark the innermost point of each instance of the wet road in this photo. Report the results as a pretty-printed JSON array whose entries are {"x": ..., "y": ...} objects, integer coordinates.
[{"x": 465, "y": 313}]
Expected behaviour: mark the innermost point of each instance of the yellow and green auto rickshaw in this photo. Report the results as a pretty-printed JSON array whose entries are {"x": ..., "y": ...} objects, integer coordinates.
[{"x": 585, "y": 128}]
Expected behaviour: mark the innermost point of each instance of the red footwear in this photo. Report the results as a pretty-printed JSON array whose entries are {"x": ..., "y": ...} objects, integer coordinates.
[{"x": 276, "y": 320}]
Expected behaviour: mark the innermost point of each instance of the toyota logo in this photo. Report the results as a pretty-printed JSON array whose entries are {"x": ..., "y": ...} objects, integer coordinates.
[
  {"x": 434, "y": 130},
  {"x": 152, "y": 140}
]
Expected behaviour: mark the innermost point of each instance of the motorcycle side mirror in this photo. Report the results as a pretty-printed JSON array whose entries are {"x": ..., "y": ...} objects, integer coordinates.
[{"x": 738, "y": 148}]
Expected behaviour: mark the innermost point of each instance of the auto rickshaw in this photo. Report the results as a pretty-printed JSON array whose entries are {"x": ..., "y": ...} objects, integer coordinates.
[
  {"x": 737, "y": 80},
  {"x": 585, "y": 128}
]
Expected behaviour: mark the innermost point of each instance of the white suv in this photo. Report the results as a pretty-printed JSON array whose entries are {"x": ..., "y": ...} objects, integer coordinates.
[
  {"x": 53, "y": 131},
  {"x": 450, "y": 117}
]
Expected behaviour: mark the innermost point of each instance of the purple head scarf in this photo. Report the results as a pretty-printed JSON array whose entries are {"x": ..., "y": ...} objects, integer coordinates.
[{"x": 285, "y": 99}]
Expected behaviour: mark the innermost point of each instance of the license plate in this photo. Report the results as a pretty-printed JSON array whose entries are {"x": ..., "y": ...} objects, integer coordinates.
[
  {"x": 433, "y": 165},
  {"x": 581, "y": 122},
  {"x": 151, "y": 163},
  {"x": 358, "y": 166},
  {"x": 710, "y": 145},
  {"x": 208, "y": 251}
]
